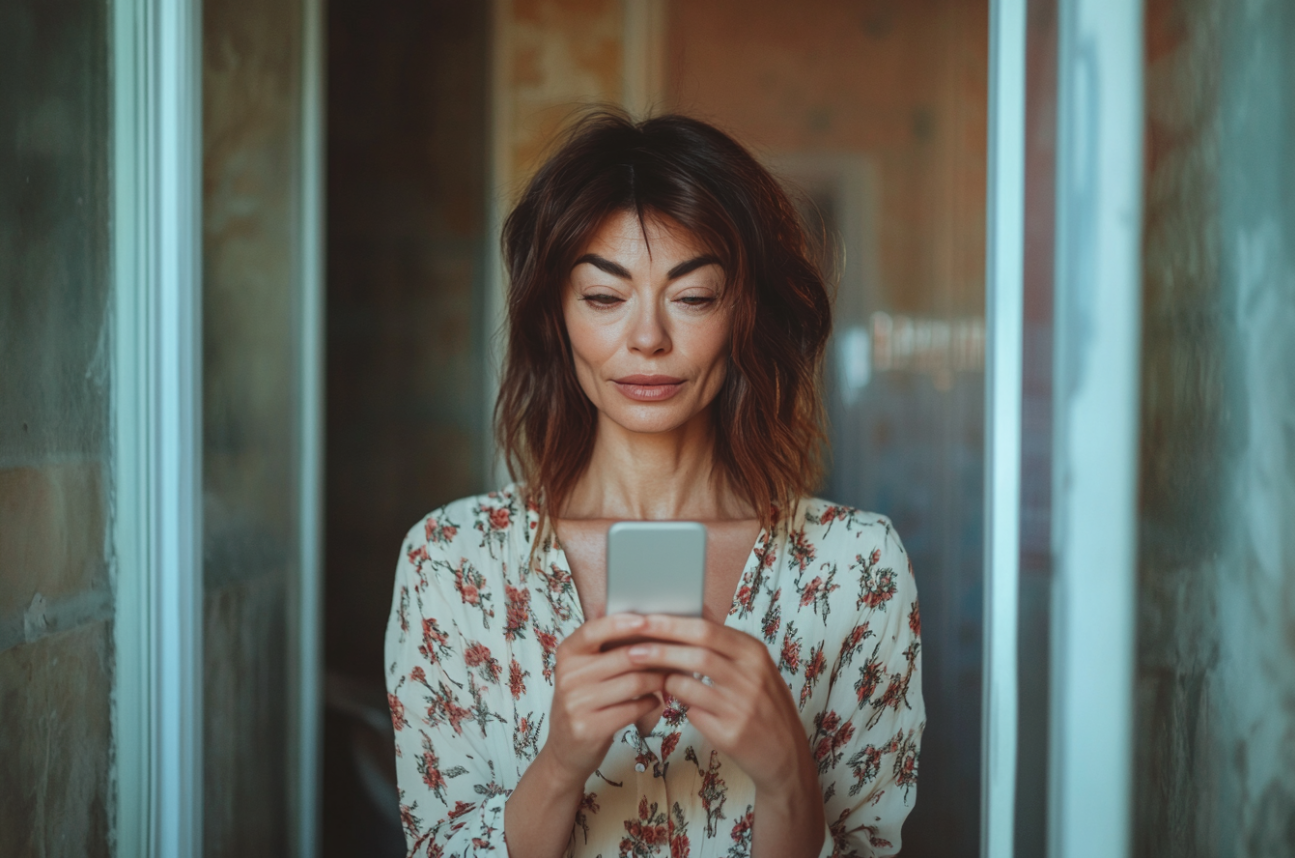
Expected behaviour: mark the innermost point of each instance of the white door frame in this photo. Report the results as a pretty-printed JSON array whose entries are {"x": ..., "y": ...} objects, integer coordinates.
[
  {"x": 157, "y": 512},
  {"x": 1095, "y": 457},
  {"x": 1005, "y": 319}
]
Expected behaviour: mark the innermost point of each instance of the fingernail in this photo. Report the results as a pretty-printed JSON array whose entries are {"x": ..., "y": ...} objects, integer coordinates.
[
  {"x": 629, "y": 621},
  {"x": 639, "y": 650}
]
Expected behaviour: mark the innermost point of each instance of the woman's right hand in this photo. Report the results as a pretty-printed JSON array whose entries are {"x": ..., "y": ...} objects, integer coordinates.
[{"x": 595, "y": 695}]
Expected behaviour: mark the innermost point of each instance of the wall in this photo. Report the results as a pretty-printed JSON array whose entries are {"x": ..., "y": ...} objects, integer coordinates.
[
  {"x": 251, "y": 144},
  {"x": 56, "y": 655},
  {"x": 1215, "y": 773}
]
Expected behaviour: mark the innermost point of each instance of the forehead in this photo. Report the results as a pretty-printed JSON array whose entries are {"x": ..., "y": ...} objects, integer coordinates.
[{"x": 658, "y": 236}]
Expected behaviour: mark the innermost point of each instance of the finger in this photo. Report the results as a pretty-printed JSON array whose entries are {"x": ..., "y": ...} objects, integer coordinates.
[
  {"x": 594, "y": 667},
  {"x": 692, "y": 692},
  {"x": 591, "y": 635},
  {"x": 629, "y": 686},
  {"x": 689, "y": 659},
  {"x": 696, "y": 631},
  {"x": 613, "y": 718}
]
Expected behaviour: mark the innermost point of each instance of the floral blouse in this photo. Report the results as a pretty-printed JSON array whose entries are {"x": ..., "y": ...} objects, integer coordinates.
[{"x": 470, "y": 653}]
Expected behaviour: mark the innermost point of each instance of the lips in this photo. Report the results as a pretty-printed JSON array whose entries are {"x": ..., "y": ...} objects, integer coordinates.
[{"x": 648, "y": 388}]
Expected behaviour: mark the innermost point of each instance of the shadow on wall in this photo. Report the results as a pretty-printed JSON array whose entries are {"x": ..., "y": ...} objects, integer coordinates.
[{"x": 406, "y": 177}]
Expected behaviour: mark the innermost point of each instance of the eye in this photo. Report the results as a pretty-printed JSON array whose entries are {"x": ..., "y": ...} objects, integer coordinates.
[
  {"x": 601, "y": 300},
  {"x": 696, "y": 300}
]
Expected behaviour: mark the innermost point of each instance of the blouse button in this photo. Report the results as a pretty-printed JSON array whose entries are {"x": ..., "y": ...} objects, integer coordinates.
[{"x": 639, "y": 767}]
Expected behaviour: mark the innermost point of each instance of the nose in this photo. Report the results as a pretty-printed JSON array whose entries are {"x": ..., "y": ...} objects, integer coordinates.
[{"x": 648, "y": 334}]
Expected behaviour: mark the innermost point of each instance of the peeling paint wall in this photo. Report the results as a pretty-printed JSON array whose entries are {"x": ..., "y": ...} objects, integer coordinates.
[
  {"x": 251, "y": 143},
  {"x": 1216, "y": 652},
  {"x": 56, "y": 656}
]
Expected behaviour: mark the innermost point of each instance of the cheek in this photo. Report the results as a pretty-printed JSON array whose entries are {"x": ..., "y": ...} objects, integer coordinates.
[
  {"x": 591, "y": 344},
  {"x": 711, "y": 344}
]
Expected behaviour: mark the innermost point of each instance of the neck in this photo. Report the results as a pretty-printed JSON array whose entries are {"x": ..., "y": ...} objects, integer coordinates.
[{"x": 657, "y": 476}]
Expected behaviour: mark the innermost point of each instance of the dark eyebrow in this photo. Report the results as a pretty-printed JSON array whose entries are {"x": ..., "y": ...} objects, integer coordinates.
[
  {"x": 692, "y": 265},
  {"x": 604, "y": 264}
]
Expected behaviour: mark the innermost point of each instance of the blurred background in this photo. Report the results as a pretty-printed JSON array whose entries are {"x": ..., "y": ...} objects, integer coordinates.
[{"x": 875, "y": 115}]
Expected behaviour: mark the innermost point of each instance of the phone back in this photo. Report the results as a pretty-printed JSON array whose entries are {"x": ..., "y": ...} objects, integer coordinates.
[{"x": 656, "y": 567}]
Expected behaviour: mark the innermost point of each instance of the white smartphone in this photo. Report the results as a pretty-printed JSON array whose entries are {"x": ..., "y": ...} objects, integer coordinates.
[{"x": 656, "y": 567}]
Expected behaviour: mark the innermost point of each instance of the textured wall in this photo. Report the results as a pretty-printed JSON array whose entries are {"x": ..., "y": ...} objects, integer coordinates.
[
  {"x": 55, "y": 479},
  {"x": 251, "y": 145},
  {"x": 1216, "y": 659}
]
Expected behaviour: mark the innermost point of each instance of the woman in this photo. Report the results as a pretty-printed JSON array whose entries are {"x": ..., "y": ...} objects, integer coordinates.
[{"x": 666, "y": 335}]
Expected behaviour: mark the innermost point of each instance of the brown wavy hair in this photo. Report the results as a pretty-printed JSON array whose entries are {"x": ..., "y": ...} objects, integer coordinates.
[{"x": 768, "y": 415}]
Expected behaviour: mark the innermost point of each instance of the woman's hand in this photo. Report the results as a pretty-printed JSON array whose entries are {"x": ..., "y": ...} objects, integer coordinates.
[
  {"x": 596, "y": 693},
  {"x": 748, "y": 714}
]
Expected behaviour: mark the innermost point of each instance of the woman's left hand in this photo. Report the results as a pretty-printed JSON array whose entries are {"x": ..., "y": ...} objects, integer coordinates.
[{"x": 746, "y": 712}]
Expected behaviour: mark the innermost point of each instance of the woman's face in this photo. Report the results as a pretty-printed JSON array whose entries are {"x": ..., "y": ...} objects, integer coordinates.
[{"x": 649, "y": 329}]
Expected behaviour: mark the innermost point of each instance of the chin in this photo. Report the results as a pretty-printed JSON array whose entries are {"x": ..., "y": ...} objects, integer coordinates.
[{"x": 650, "y": 420}]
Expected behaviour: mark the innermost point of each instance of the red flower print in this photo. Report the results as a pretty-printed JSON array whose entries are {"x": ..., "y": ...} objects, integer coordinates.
[
  {"x": 744, "y": 597},
  {"x": 516, "y": 679},
  {"x": 865, "y": 765},
  {"x": 876, "y": 586},
  {"x": 588, "y": 805},
  {"x": 439, "y": 532},
  {"x": 811, "y": 590},
  {"x": 460, "y": 808},
  {"x": 519, "y": 612},
  {"x": 741, "y": 833},
  {"x": 668, "y": 744},
  {"x": 906, "y": 763},
  {"x": 831, "y": 734},
  {"x": 678, "y": 827},
  {"x": 674, "y": 711},
  {"x": 742, "y": 827},
  {"x": 408, "y": 820},
  {"x": 814, "y": 668},
  {"x": 436, "y": 643},
  {"x": 915, "y": 620},
  {"x": 417, "y": 675},
  {"x": 398, "y": 719},
  {"x": 713, "y": 792},
  {"x": 499, "y": 518},
  {"x": 772, "y": 619},
  {"x": 445, "y": 707},
  {"x": 800, "y": 551},
  {"x": 790, "y": 659},
  {"x": 548, "y": 641},
  {"x": 431, "y": 774},
  {"x": 478, "y": 655},
  {"x": 869, "y": 679}
]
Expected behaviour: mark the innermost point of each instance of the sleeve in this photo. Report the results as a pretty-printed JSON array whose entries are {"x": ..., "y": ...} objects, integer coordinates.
[
  {"x": 867, "y": 739},
  {"x": 442, "y": 689}
]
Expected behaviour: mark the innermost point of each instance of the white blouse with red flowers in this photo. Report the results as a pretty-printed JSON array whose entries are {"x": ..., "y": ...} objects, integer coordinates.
[{"x": 470, "y": 651}]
